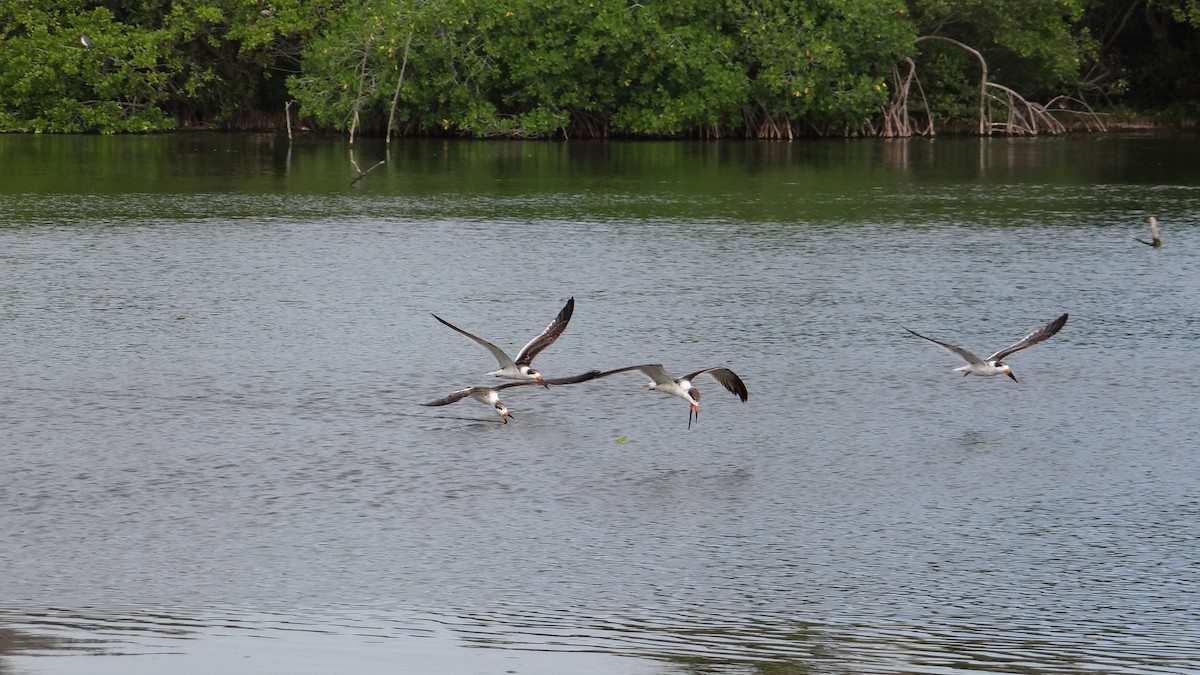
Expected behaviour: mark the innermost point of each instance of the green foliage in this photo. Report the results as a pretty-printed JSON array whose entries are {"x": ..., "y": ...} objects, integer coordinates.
[
  {"x": 1034, "y": 44},
  {"x": 823, "y": 61},
  {"x": 149, "y": 63},
  {"x": 49, "y": 81},
  {"x": 1182, "y": 11},
  {"x": 678, "y": 70},
  {"x": 227, "y": 53},
  {"x": 1150, "y": 56},
  {"x": 539, "y": 68}
]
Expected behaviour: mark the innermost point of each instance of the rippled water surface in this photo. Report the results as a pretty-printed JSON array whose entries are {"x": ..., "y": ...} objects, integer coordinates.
[{"x": 214, "y": 458}]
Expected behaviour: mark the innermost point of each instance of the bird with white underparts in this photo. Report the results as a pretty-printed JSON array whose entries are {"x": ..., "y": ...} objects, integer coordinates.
[
  {"x": 994, "y": 364},
  {"x": 662, "y": 381},
  {"x": 520, "y": 368},
  {"x": 490, "y": 396}
]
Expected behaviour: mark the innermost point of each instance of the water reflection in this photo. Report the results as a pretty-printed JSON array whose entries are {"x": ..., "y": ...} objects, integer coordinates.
[
  {"x": 377, "y": 640},
  {"x": 16, "y": 642}
]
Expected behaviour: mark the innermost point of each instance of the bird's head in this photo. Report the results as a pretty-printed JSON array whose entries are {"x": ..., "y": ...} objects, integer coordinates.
[
  {"x": 537, "y": 376},
  {"x": 503, "y": 411},
  {"x": 1006, "y": 370}
]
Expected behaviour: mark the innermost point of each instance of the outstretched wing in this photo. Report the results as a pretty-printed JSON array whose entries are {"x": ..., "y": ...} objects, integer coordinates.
[
  {"x": 501, "y": 357},
  {"x": 548, "y": 336},
  {"x": 727, "y": 378},
  {"x": 654, "y": 371},
  {"x": 452, "y": 398},
  {"x": 574, "y": 379},
  {"x": 1031, "y": 339},
  {"x": 953, "y": 349}
]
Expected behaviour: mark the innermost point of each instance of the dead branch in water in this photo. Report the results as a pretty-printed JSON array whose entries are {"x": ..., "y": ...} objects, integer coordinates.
[
  {"x": 1156, "y": 242},
  {"x": 399, "y": 83},
  {"x": 362, "y": 174},
  {"x": 287, "y": 113}
]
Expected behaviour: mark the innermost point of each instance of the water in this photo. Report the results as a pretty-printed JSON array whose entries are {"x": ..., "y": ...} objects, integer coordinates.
[{"x": 214, "y": 457}]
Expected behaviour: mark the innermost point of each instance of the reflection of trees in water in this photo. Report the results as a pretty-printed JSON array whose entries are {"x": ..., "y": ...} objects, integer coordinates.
[
  {"x": 71, "y": 632},
  {"x": 13, "y": 642}
]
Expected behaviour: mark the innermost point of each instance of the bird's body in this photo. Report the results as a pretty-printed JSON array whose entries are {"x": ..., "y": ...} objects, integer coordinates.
[
  {"x": 520, "y": 368},
  {"x": 682, "y": 387},
  {"x": 994, "y": 364},
  {"x": 490, "y": 396}
]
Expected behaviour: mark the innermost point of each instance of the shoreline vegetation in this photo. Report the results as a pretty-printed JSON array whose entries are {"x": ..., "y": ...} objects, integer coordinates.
[{"x": 701, "y": 69}]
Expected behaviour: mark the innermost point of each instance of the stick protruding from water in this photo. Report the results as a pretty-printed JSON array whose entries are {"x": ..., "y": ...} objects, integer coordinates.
[{"x": 1156, "y": 242}]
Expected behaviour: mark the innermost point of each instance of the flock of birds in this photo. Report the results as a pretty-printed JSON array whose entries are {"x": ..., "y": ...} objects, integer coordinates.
[{"x": 521, "y": 371}]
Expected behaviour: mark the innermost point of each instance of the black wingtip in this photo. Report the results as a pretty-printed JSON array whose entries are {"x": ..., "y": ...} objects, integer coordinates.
[
  {"x": 1058, "y": 323},
  {"x": 740, "y": 388}
]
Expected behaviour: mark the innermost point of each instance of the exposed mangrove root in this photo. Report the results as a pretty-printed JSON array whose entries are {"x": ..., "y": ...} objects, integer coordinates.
[
  {"x": 1024, "y": 118},
  {"x": 984, "y": 113},
  {"x": 896, "y": 121},
  {"x": 1002, "y": 110},
  {"x": 1087, "y": 117},
  {"x": 767, "y": 128},
  {"x": 584, "y": 124}
]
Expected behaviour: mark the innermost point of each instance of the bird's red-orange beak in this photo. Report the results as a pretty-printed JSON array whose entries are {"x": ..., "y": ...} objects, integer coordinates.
[
  {"x": 1009, "y": 373},
  {"x": 538, "y": 377}
]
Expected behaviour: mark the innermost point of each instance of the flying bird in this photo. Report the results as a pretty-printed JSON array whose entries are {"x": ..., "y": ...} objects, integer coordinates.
[
  {"x": 994, "y": 364},
  {"x": 520, "y": 368},
  {"x": 683, "y": 387},
  {"x": 491, "y": 395}
]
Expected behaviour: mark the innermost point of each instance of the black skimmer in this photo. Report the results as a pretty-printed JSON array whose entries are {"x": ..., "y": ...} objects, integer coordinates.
[
  {"x": 994, "y": 364},
  {"x": 491, "y": 395},
  {"x": 519, "y": 368},
  {"x": 1155, "y": 241},
  {"x": 682, "y": 387}
]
